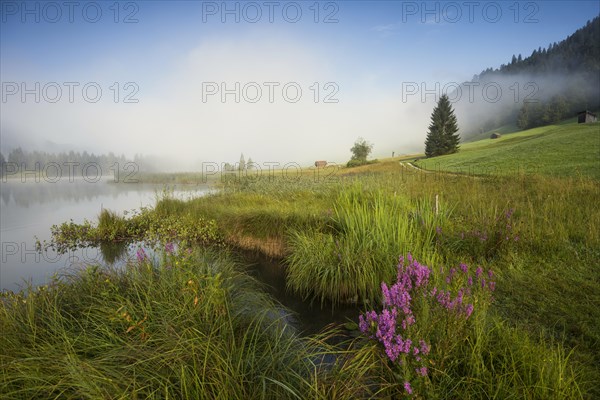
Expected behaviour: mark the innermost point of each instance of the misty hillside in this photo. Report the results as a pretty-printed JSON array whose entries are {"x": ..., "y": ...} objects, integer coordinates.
[{"x": 553, "y": 83}]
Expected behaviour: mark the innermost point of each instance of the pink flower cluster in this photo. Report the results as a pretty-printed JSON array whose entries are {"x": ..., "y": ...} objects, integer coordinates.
[{"x": 391, "y": 327}]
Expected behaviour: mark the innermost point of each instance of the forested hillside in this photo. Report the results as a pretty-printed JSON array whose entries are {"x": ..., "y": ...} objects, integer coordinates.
[{"x": 553, "y": 83}]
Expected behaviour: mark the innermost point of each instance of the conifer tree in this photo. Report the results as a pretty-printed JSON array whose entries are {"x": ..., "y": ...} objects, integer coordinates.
[{"x": 442, "y": 137}]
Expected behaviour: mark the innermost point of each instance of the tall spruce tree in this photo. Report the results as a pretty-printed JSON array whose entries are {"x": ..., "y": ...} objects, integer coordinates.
[{"x": 442, "y": 137}]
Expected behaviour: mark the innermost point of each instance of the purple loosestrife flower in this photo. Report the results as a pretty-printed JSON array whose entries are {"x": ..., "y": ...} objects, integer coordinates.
[
  {"x": 464, "y": 268},
  {"x": 423, "y": 347},
  {"x": 408, "y": 321},
  {"x": 509, "y": 213},
  {"x": 407, "y": 345},
  {"x": 421, "y": 371},
  {"x": 478, "y": 272},
  {"x": 365, "y": 323},
  {"x": 141, "y": 255},
  {"x": 407, "y": 387},
  {"x": 469, "y": 310}
]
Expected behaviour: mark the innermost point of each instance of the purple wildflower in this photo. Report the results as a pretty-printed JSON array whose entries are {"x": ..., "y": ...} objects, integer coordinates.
[
  {"x": 407, "y": 387},
  {"x": 169, "y": 248},
  {"x": 509, "y": 213},
  {"x": 422, "y": 371},
  {"x": 141, "y": 255},
  {"x": 469, "y": 310}
]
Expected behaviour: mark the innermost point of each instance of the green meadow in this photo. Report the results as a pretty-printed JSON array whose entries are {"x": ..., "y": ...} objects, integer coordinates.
[
  {"x": 518, "y": 245},
  {"x": 559, "y": 150}
]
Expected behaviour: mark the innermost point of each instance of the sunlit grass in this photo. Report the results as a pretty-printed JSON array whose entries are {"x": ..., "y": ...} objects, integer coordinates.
[
  {"x": 343, "y": 236},
  {"x": 557, "y": 150},
  {"x": 358, "y": 247}
]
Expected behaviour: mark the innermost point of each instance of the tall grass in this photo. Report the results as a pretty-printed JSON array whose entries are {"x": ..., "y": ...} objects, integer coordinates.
[
  {"x": 192, "y": 327},
  {"x": 367, "y": 232},
  {"x": 112, "y": 226}
]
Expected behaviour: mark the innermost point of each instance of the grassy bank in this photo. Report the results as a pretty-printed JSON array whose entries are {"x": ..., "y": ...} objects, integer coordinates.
[
  {"x": 189, "y": 326},
  {"x": 192, "y": 325},
  {"x": 341, "y": 237}
]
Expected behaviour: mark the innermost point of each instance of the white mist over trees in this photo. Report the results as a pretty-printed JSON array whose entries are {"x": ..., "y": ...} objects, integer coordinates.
[{"x": 552, "y": 84}]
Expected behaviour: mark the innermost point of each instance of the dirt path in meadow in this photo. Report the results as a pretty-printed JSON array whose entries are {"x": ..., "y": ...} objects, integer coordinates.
[{"x": 426, "y": 171}]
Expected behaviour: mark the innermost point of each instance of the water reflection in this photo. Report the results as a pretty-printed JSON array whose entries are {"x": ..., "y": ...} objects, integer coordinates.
[
  {"x": 28, "y": 210},
  {"x": 28, "y": 194},
  {"x": 113, "y": 252}
]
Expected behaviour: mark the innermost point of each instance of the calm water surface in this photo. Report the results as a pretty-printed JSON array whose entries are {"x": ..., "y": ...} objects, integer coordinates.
[{"x": 28, "y": 210}]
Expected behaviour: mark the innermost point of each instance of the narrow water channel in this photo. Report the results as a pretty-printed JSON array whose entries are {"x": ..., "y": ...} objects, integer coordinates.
[{"x": 311, "y": 318}]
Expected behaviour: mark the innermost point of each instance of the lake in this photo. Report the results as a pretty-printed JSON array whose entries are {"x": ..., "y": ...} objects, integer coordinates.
[{"x": 29, "y": 209}]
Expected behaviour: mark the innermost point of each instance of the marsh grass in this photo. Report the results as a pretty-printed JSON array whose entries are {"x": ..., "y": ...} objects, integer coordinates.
[
  {"x": 193, "y": 327},
  {"x": 359, "y": 247},
  {"x": 112, "y": 226}
]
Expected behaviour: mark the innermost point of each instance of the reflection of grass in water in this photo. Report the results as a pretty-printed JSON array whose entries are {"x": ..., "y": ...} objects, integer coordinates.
[{"x": 112, "y": 252}]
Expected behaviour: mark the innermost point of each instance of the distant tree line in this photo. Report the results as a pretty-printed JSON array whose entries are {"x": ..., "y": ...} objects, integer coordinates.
[
  {"x": 576, "y": 60},
  {"x": 577, "y": 53},
  {"x": 547, "y": 112},
  {"x": 242, "y": 165},
  {"x": 19, "y": 161}
]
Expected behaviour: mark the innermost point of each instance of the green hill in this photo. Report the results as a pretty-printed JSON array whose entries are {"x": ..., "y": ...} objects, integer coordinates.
[
  {"x": 503, "y": 130},
  {"x": 559, "y": 150}
]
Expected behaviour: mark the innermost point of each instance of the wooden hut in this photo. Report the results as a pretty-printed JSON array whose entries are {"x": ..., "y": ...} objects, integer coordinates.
[
  {"x": 320, "y": 164},
  {"x": 583, "y": 117}
]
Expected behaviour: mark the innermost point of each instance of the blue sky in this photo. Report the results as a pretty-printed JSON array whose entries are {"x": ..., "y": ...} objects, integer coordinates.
[{"x": 172, "y": 50}]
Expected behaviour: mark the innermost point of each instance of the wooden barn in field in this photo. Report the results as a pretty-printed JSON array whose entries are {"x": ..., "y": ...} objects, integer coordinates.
[
  {"x": 495, "y": 135},
  {"x": 320, "y": 164},
  {"x": 584, "y": 117}
]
